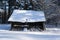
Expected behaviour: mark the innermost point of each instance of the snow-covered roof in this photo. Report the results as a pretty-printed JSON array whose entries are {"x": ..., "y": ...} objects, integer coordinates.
[{"x": 27, "y": 16}]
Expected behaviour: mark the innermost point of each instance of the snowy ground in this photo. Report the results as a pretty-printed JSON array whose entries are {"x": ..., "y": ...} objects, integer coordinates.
[{"x": 48, "y": 34}]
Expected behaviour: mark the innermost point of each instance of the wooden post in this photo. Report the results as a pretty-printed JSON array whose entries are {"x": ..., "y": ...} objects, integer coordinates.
[{"x": 12, "y": 25}]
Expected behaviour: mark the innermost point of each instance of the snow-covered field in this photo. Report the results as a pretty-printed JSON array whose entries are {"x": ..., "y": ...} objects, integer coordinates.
[{"x": 48, "y": 34}]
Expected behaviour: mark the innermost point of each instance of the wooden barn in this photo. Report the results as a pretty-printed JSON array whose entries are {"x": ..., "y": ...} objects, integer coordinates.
[{"x": 21, "y": 19}]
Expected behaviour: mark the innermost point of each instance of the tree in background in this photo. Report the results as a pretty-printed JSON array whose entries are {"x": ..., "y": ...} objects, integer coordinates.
[
  {"x": 31, "y": 4},
  {"x": 52, "y": 12}
]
